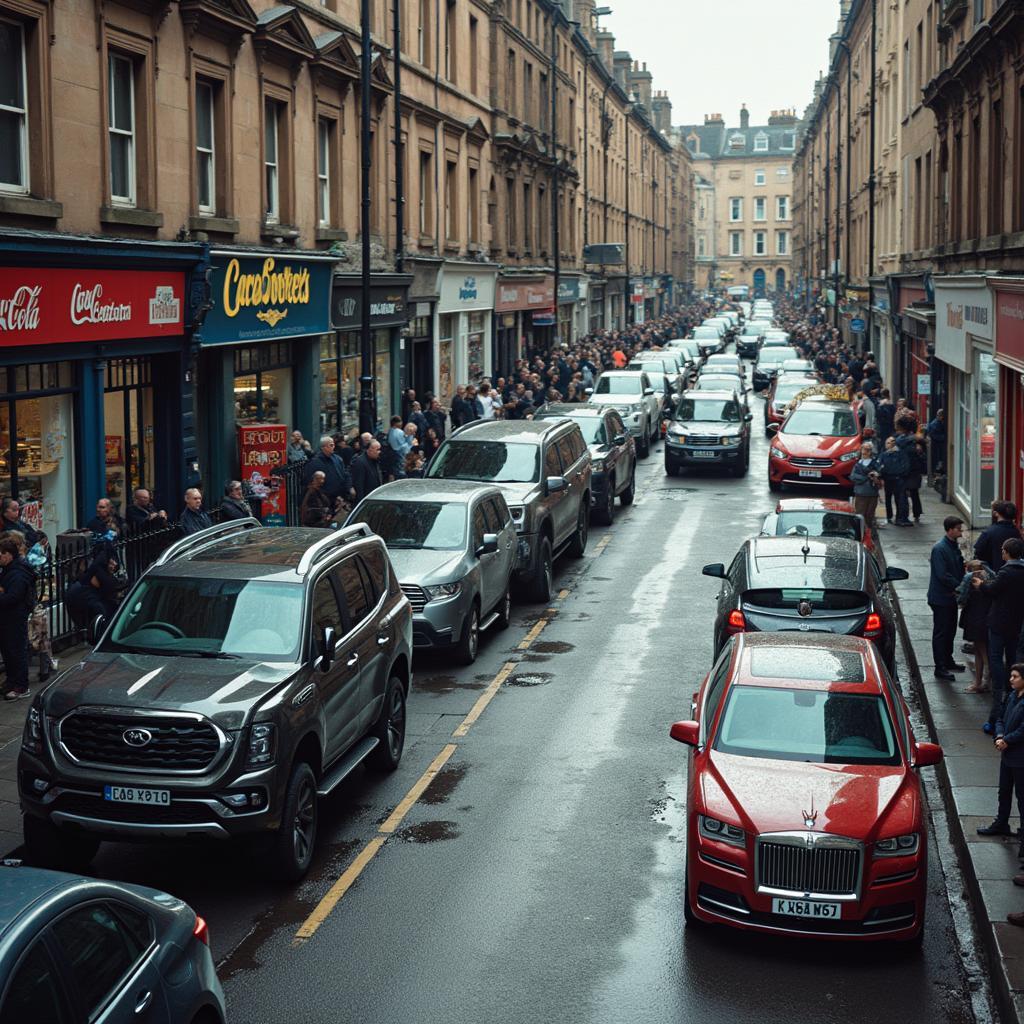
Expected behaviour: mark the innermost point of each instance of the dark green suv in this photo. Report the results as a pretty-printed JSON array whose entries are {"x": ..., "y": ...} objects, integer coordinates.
[{"x": 246, "y": 674}]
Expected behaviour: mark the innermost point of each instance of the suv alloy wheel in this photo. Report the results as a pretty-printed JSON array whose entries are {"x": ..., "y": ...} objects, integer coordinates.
[
  {"x": 469, "y": 642},
  {"x": 643, "y": 444},
  {"x": 606, "y": 514},
  {"x": 578, "y": 544},
  {"x": 542, "y": 584},
  {"x": 390, "y": 729},
  {"x": 295, "y": 839}
]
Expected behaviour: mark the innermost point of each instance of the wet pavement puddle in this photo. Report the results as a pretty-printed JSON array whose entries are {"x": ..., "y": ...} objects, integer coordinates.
[
  {"x": 438, "y": 685},
  {"x": 429, "y": 832},
  {"x": 553, "y": 647},
  {"x": 530, "y": 679},
  {"x": 444, "y": 784}
]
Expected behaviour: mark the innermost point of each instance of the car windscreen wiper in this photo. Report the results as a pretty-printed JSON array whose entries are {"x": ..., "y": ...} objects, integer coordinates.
[{"x": 204, "y": 654}]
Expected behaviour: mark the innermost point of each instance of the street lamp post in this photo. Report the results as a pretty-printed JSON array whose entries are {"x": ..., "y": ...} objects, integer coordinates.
[{"x": 367, "y": 403}]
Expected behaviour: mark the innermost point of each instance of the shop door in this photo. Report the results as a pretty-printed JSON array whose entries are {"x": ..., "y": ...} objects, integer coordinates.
[
  {"x": 780, "y": 280},
  {"x": 986, "y": 377},
  {"x": 129, "y": 429},
  {"x": 759, "y": 279}
]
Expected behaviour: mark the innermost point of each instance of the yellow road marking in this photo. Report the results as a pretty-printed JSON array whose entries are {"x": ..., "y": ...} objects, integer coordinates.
[
  {"x": 395, "y": 817},
  {"x": 485, "y": 698},
  {"x": 533, "y": 634},
  {"x": 603, "y": 543}
]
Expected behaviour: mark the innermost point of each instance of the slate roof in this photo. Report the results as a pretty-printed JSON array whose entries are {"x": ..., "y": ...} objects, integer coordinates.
[{"x": 720, "y": 142}]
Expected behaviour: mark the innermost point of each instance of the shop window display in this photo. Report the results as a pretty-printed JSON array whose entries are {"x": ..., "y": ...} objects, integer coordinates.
[
  {"x": 445, "y": 349},
  {"x": 128, "y": 429},
  {"x": 475, "y": 348}
]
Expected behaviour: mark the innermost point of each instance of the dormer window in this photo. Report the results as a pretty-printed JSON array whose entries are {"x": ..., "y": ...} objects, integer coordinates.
[
  {"x": 737, "y": 141},
  {"x": 760, "y": 143},
  {"x": 788, "y": 140}
]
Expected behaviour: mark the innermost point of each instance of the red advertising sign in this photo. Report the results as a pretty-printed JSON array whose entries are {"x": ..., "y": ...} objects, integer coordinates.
[
  {"x": 1010, "y": 328},
  {"x": 536, "y": 295},
  {"x": 262, "y": 448},
  {"x": 45, "y": 306}
]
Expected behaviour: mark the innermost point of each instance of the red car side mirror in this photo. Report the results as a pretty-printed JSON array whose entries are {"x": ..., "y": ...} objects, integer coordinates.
[
  {"x": 685, "y": 732},
  {"x": 927, "y": 754}
]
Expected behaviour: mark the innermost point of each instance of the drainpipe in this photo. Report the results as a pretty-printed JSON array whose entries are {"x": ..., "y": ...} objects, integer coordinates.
[
  {"x": 871, "y": 177},
  {"x": 367, "y": 397}
]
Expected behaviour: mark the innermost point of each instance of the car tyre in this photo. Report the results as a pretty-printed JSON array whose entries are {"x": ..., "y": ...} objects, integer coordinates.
[
  {"x": 504, "y": 609},
  {"x": 48, "y": 846},
  {"x": 543, "y": 581},
  {"x": 643, "y": 445},
  {"x": 627, "y": 496},
  {"x": 578, "y": 545},
  {"x": 741, "y": 469},
  {"x": 691, "y": 919},
  {"x": 605, "y": 513},
  {"x": 469, "y": 642},
  {"x": 671, "y": 468},
  {"x": 389, "y": 729},
  {"x": 773, "y": 486},
  {"x": 295, "y": 839}
]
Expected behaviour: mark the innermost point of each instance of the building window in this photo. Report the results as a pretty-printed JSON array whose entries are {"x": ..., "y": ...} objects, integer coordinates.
[
  {"x": 781, "y": 243},
  {"x": 782, "y": 173},
  {"x": 121, "y": 129},
  {"x": 527, "y": 217},
  {"x": 979, "y": 11},
  {"x": 760, "y": 208},
  {"x": 760, "y": 246},
  {"x": 474, "y": 56},
  {"x": 735, "y": 209},
  {"x": 735, "y": 243},
  {"x": 760, "y": 143},
  {"x": 759, "y": 176},
  {"x": 206, "y": 157},
  {"x": 782, "y": 207},
  {"x": 510, "y": 213},
  {"x": 788, "y": 141},
  {"x": 474, "y": 205},
  {"x": 324, "y": 132},
  {"x": 702, "y": 245},
  {"x": 271, "y": 159},
  {"x": 14, "y": 141},
  {"x": 449, "y": 41},
  {"x": 451, "y": 170},
  {"x": 423, "y": 34},
  {"x": 426, "y": 191}
]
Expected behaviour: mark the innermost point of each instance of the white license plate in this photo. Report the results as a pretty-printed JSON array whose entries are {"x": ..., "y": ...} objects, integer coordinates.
[
  {"x": 808, "y": 908},
  {"x": 135, "y": 795},
  {"x": 704, "y": 455},
  {"x": 814, "y": 474}
]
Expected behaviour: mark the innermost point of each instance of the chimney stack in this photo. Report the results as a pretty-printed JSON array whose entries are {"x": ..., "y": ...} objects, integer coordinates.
[
  {"x": 661, "y": 111},
  {"x": 744, "y": 117}
]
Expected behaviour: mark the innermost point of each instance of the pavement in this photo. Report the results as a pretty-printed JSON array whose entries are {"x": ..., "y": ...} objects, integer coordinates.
[{"x": 969, "y": 773}]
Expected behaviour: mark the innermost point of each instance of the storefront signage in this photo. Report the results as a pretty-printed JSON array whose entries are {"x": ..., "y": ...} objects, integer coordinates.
[
  {"x": 962, "y": 308},
  {"x": 262, "y": 448},
  {"x": 857, "y": 325},
  {"x": 1010, "y": 328},
  {"x": 46, "y": 306},
  {"x": 536, "y": 295},
  {"x": 263, "y": 297},
  {"x": 389, "y": 302},
  {"x": 568, "y": 290},
  {"x": 924, "y": 384},
  {"x": 463, "y": 289}
]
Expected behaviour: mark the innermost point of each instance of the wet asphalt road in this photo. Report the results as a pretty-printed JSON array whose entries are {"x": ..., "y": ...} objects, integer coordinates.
[{"x": 539, "y": 878}]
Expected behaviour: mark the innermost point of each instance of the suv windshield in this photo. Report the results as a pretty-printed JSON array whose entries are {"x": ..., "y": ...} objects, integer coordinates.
[
  {"x": 487, "y": 461},
  {"x": 210, "y": 618},
  {"x": 608, "y": 385},
  {"x": 807, "y": 725},
  {"x": 809, "y": 419},
  {"x": 819, "y": 524},
  {"x": 708, "y": 410},
  {"x": 437, "y": 525}
]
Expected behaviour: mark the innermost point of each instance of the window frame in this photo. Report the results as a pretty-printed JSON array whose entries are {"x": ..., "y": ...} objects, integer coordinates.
[
  {"x": 760, "y": 208},
  {"x": 735, "y": 209},
  {"x": 129, "y": 200},
  {"x": 782, "y": 207},
  {"x": 760, "y": 176},
  {"x": 760, "y": 143},
  {"x": 324, "y": 131},
  {"x": 207, "y": 209},
  {"x": 271, "y": 211},
  {"x": 735, "y": 243},
  {"x": 760, "y": 243},
  {"x": 782, "y": 243},
  {"x": 23, "y": 112}
]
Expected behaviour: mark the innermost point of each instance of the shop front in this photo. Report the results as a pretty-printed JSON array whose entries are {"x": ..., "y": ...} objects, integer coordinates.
[
  {"x": 86, "y": 332},
  {"x": 964, "y": 383},
  {"x": 341, "y": 352},
  {"x": 595, "y": 307},
  {"x": 517, "y": 301},
  {"x": 880, "y": 334},
  {"x": 259, "y": 352},
  {"x": 1008, "y": 302},
  {"x": 417, "y": 341},
  {"x": 465, "y": 328},
  {"x": 568, "y": 302},
  {"x": 617, "y": 300},
  {"x": 913, "y": 321}
]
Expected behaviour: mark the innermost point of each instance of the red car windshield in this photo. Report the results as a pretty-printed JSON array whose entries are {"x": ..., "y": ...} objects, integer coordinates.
[
  {"x": 815, "y": 726},
  {"x": 824, "y": 422}
]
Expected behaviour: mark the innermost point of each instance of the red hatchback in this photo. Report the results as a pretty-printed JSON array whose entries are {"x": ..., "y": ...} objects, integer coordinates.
[
  {"x": 817, "y": 444},
  {"x": 805, "y": 814}
]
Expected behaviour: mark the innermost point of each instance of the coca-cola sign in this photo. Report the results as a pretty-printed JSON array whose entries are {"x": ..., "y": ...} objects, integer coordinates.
[{"x": 47, "y": 306}]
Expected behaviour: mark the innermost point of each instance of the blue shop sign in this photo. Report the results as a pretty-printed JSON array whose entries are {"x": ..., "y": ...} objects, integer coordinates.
[
  {"x": 568, "y": 290},
  {"x": 267, "y": 296},
  {"x": 857, "y": 325}
]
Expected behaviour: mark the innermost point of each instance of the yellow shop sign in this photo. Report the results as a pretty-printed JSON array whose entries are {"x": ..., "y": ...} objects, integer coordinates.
[{"x": 267, "y": 286}]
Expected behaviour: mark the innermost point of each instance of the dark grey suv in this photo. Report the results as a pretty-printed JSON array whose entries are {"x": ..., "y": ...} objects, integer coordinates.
[
  {"x": 248, "y": 672},
  {"x": 543, "y": 469}
]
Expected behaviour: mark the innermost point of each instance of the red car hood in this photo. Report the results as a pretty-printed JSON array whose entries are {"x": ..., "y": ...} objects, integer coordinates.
[
  {"x": 772, "y": 796},
  {"x": 810, "y": 446}
]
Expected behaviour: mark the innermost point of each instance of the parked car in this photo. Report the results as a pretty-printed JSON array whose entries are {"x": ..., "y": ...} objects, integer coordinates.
[
  {"x": 247, "y": 673},
  {"x": 542, "y": 467},
  {"x": 726, "y": 360},
  {"x": 710, "y": 428},
  {"x": 710, "y": 338},
  {"x": 453, "y": 547},
  {"x": 820, "y": 517},
  {"x": 805, "y": 813},
  {"x": 723, "y": 382},
  {"x": 817, "y": 445},
  {"x": 748, "y": 341},
  {"x": 774, "y": 338},
  {"x": 691, "y": 349},
  {"x": 769, "y": 361},
  {"x": 79, "y": 949},
  {"x": 612, "y": 454},
  {"x": 797, "y": 366},
  {"x": 632, "y": 394},
  {"x": 803, "y": 584},
  {"x": 668, "y": 385},
  {"x": 782, "y": 389}
]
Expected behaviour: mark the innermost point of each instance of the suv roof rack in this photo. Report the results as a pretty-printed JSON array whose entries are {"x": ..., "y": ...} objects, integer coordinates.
[
  {"x": 337, "y": 538},
  {"x": 218, "y": 530}
]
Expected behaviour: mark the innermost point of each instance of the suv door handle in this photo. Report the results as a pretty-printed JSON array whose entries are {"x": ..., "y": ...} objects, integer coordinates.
[
  {"x": 383, "y": 641},
  {"x": 145, "y": 998},
  {"x": 351, "y": 661}
]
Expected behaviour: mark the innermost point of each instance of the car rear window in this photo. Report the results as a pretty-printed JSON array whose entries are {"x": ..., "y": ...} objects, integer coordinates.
[
  {"x": 790, "y": 598},
  {"x": 819, "y": 524},
  {"x": 787, "y": 662}
]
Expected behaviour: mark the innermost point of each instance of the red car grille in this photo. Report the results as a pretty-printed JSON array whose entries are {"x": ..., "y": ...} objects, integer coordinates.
[
  {"x": 810, "y": 463},
  {"x": 825, "y": 870}
]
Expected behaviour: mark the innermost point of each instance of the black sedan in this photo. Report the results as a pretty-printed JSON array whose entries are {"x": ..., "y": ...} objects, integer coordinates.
[{"x": 807, "y": 585}]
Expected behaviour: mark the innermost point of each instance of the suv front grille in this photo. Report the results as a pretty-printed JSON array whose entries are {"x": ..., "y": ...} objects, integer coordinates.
[
  {"x": 827, "y": 868},
  {"x": 704, "y": 439},
  {"x": 177, "y": 744},
  {"x": 417, "y": 596},
  {"x": 811, "y": 463}
]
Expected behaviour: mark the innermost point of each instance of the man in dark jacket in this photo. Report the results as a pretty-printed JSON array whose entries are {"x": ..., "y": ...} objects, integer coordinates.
[
  {"x": 106, "y": 523},
  {"x": 234, "y": 506},
  {"x": 436, "y": 418},
  {"x": 462, "y": 409},
  {"x": 947, "y": 570},
  {"x": 17, "y": 599},
  {"x": 989, "y": 546},
  {"x": 1005, "y": 618},
  {"x": 1009, "y": 741},
  {"x": 193, "y": 518},
  {"x": 10, "y": 512},
  {"x": 337, "y": 479},
  {"x": 366, "y": 475},
  {"x": 143, "y": 514}
]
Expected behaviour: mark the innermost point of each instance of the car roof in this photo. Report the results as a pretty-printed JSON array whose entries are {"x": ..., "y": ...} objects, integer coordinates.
[
  {"x": 621, "y": 373},
  {"x": 247, "y": 553},
  {"x": 717, "y": 393},
  {"x": 849, "y": 654},
  {"x": 433, "y": 489},
  {"x": 513, "y": 431},
  {"x": 21, "y": 887},
  {"x": 830, "y": 562},
  {"x": 836, "y": 403}
]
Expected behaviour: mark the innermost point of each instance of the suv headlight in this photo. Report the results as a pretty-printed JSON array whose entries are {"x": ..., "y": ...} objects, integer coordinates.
[
  {"x": 262, "y": 745},
  {"x": 849, "y": 456},
  {"x": 32, "y": 737},
  {"x": 898, "y": 846},
  {"x": 731, "y": 440},
  {"x": 777, "y": 453},
  {"x": 722, "y": 831},
  {"x": 442, "y": 590},
  {"x": 677, "y": 432}
]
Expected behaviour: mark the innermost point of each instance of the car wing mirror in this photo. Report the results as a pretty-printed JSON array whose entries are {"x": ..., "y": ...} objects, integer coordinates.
[
  {"x": 96, "y": 629},
  {"x": 716, "y": 569},
  {"x": 894, "y": 573},
  {"x": 555, "y": 484},
  {"x": 685, "y": 732},
  {"x": 488, "y": 546},
  {"x": 747, "y": 417},
  {"x": 927, "y": 754},
  {"x": 619, "y": 439},
  {"x": 328, "y": 638},
  {"x": 772, "y": 428},
  {"x": 648, "y": 391}
]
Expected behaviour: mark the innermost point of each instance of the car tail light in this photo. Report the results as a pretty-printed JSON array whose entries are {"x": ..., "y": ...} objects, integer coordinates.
[
  {"x": 736, "y": 623},
  {"x": 201, "y": 931},
  {"x": 873, "y": 624}
]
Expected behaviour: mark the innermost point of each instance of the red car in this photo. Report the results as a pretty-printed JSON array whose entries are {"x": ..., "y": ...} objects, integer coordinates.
[
  {"x": 817, "y": 444},
  {"x": 805, "y": 814},
  {"x": 823, "y": 517},
  {"x": 781, "y": 391}
]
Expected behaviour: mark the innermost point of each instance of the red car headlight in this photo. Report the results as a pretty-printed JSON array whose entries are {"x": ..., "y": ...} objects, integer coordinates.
[
  {"x": 777, "y": 453},
  {"x": 898, "y": 846},
  {"x": 712, "y": 828}
]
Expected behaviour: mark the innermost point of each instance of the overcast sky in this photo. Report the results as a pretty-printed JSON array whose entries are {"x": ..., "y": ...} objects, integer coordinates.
[{"x": 713, "y": 55}]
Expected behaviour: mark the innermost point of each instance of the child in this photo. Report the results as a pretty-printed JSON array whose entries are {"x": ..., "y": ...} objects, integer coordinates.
[{"x": 974, "y": 620}]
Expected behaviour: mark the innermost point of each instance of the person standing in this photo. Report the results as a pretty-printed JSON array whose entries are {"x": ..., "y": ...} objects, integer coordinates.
[
  {"x": 894, "y": 472},
  {"x": 193, "y": 518},
  {"x": 989, "y": 545},
  {"x": 1009, "y": 741},
  {"x": 337, "y": 481},
  {"x": 436, "y": 418},
  {"x": 17, "y": 599},
  {"x": 316, "y": 508},
  {"x": 366, "y": 474},
  {"x": 106, "y": 524},
  {"x": 234, "y": 506},
  {"x": 299, "y": 449},
  {"x": 867, "y": 478},
  {"x": 946, "y": 572},
  {"x": 1005, "y": 619},
  {"x": 936, "y": 432}
]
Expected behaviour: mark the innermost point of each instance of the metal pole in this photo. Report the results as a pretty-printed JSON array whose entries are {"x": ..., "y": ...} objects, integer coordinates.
[
  {"x": 871, "y": 180},
  {"x": 839, "y": 178},
  {"x": 396, "y": 33},
  {"x": 555, "y": 200},
  {"x": 367, "y": 396},
  {"x": 629, "y": 311}
]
